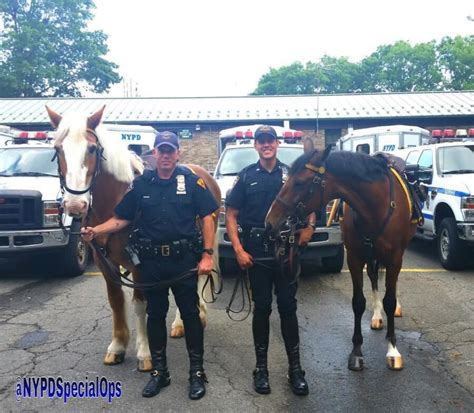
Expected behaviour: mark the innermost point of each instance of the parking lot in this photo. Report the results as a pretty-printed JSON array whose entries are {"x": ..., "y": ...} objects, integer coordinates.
[{"x": 61, "y": 327}]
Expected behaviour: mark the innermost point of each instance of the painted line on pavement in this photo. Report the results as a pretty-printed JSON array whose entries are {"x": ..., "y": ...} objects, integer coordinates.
[{"x": 417, "y": 270}]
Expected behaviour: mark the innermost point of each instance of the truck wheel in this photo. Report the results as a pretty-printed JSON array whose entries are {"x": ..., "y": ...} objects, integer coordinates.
[
  {"x": 334, "y": 264},
  {"x": 75, "y": 256},
  {"x": 450, "y": 247}
]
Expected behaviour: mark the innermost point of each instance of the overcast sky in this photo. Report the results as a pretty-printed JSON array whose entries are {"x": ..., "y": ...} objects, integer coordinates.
[{"x": 177, "y": 48}]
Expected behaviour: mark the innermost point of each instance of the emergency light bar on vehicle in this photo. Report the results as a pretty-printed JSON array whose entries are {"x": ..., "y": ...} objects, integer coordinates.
[{"x": 24, "y": 137}]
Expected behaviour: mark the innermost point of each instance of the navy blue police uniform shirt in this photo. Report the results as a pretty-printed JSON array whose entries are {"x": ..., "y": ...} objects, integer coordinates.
[
  {"x": 254, "y": 191},
  {"x": 168, "y": 207}
]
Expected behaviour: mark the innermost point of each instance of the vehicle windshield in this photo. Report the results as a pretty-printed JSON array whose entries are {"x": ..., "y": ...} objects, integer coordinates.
[
  {"x": 456, "y": 159},
  {"x": 27, "y": 161},
  {"x": 234, "y": 160}
]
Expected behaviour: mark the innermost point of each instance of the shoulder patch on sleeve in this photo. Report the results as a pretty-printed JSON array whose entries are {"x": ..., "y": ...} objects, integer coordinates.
[{"x": 201, "y": 183}]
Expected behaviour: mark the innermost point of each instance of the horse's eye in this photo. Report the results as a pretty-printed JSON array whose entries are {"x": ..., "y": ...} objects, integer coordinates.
[{"x": 92, "y": 149}]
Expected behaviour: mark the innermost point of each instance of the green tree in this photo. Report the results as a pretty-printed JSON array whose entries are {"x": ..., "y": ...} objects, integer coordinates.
[
  {"x": 46, "y": 49},
  {"x": 456, "y": 56},
  {"x": 295, "y": 79},
  {"x": 401, "y": 68}
]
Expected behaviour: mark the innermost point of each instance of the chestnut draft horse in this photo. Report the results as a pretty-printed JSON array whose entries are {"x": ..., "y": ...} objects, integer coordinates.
[
  {"x": 377, "y": 225},
  {"x": 95, "y": 173}
]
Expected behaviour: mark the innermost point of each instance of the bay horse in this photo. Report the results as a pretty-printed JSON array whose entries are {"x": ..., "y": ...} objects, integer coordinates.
[
  {"x": 95, "y": 173},
  {"x": 377, "y": 224}
]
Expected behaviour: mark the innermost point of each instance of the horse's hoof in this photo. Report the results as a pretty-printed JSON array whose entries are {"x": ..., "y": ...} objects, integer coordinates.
[
  {"x": 395, "y": 362},
  {"x": 376, "y": 324},
  {"x": 177, "y": 332},
  {"x": 398, "y": 312},
  {"x": 145, "y": 365},
  {"x": 111, "y": 359},
  {"x": 356, "y": 363}
]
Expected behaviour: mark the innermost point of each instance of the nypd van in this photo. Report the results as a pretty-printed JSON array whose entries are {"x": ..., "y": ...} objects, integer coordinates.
[
  {"x": 137, "y": 138},
  {"x": 447, "y": 170},
  {"x": 383, "y": 138}
]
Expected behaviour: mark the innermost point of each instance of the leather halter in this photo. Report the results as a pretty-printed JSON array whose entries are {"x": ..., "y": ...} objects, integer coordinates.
[
  {"x": 99, "y": 156},
  {"x": 318, "y": 180}
]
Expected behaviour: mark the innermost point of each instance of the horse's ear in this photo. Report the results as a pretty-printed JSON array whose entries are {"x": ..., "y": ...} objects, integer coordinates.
[
  {"x": 54, "y": 117},
  {"x": 308, "y": 145},
  {"x": 326, "y": 152},
  {"x": 94, "y": 119}
]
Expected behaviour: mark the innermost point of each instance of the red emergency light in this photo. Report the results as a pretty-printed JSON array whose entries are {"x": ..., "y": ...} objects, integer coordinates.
[
  {"x": 287, "y": 135},
  {"x": 470, "y": 133},
  {"x": 436, "y": 133},
  {"x": 23, "y": 135},
  {"x": 449, "y": 133},
  {"x": 298, "y": 134},
  {"x": 41, "y": 135},
  {"x": 239, "y": 135},
  {"x": 248, "y": 134}
]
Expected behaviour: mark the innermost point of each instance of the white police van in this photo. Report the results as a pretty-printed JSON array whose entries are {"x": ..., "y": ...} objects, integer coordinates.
[
  {"x": 137, "y": 138},
  {"x": 447, "y": 170},
  {"x": 383, "y": 138},
  {"x": 238, "y": 151},
  {"x": 30, "y": 198}
]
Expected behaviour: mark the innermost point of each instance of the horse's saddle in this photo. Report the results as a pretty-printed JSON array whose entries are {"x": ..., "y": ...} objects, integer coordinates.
[{"x": 409, "y": 174}]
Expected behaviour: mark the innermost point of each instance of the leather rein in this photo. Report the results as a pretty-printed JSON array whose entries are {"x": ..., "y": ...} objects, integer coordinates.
[
  {"x": 113, "y": 274},
  {"x": 319, "y": 181}
]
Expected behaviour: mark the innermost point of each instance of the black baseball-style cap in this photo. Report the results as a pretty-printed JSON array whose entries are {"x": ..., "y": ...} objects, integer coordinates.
[
  {"x": 166, "y": 138},
  {"x": 265, "y": 131}
]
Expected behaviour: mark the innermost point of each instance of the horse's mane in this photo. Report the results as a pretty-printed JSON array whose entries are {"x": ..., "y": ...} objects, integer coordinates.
[
  {"x": 345, "y": 164},
  {"x": 117, "y": 160}
]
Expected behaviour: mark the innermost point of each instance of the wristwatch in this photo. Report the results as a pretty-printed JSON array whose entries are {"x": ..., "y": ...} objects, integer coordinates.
[{"x": 208, "y": 251}]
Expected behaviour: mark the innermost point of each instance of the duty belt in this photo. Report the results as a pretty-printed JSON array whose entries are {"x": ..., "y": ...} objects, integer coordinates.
[{"x": 150, "y": 249}]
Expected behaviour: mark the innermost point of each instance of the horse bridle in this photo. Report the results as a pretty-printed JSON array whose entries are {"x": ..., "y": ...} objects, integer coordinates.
[
  {"x": 99, "y": 153},
  {"x": 300, "y": 208}
]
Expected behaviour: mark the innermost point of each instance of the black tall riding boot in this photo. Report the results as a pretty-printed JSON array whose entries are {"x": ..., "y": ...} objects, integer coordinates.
[
  {"x": 193, "y": 332},
  {"x": 289, "y": 330},
  {"x": 160, "y": 377},
  {"x": 261, "y": 331}
]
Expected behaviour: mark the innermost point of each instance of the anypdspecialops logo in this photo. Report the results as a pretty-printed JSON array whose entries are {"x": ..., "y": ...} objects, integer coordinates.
[{"x": 57, "y": 387}]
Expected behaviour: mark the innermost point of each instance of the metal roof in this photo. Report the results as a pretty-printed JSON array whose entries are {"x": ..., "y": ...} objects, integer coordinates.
[{"x": 244, "y": 108}]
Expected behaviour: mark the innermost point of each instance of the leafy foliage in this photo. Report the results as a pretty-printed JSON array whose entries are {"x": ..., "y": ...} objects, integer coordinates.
[
  {"x": 46, "y": 49},
  {"x": 400, "y": 67}
]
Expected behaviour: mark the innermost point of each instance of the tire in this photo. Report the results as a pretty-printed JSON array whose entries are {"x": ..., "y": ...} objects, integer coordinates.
[
  {"x": 74, "y": 258},
  {"x": 450, "y": 247},
  {"x": 334, "y": 264}
]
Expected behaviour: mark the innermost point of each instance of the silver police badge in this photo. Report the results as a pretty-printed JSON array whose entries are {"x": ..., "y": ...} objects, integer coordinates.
[
  {"x": 284, "y": 174},
  {"x": 180, "y": 185}
]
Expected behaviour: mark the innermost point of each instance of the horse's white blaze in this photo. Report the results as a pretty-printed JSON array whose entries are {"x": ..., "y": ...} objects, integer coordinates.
[
  {"x": 392, "y": 351},
  {"x": 376, "y": 305},
  {"x": 143, "y": 350}
]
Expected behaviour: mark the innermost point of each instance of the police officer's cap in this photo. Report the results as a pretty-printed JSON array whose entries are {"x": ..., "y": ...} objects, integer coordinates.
[
  {"x": 265, "y": 131},
  {"x": 166, "y": 138}
]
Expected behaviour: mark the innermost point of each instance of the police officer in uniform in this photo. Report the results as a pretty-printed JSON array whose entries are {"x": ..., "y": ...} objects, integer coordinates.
[
  {"x": 247, "y": 204},
  {"x": 163, "y": 205}
]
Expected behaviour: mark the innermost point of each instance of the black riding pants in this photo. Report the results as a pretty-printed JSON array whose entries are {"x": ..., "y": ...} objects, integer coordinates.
[
  {"x": 185, "y": 292},
  {"x": 263, "y": 278}
]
